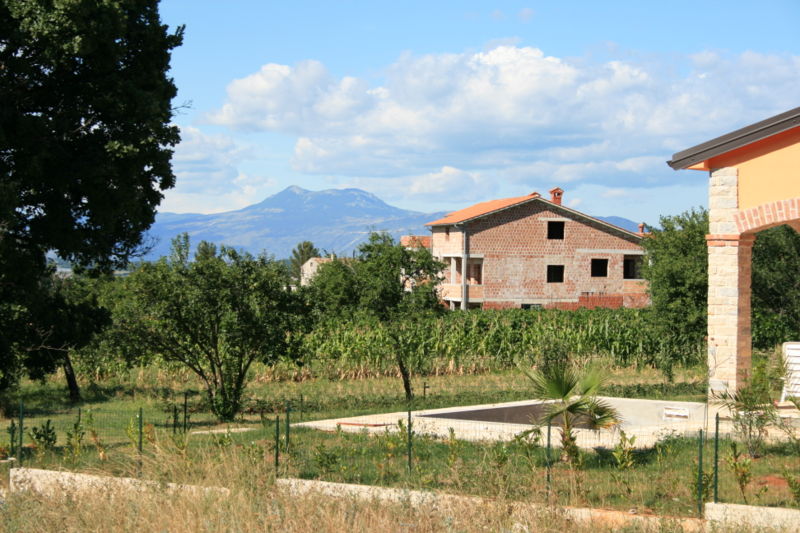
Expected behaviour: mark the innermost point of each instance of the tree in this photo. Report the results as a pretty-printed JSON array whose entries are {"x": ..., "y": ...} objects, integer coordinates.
[
  {"x": 385, "y": 287},
  {"x": 677, "y": 272},
  {"x": 302, "y": 252},
  {"x": 776, "y": 287},
  {"x": 572, "y": 400},
  {"x": 398, "y": 286},
  {"x": 217, "y": 316},
  {"x": 85, "y": 144}
]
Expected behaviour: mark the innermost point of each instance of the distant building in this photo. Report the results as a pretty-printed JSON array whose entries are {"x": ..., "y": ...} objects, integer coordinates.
[
  {"x": 528, "y": 252},
  {"x": 310, "y": 267}
]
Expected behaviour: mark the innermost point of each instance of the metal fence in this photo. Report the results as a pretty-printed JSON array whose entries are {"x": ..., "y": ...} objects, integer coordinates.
[{"x": 669, "y": 469}]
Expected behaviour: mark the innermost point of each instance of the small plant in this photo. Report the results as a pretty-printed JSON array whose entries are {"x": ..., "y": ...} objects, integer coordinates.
[
  {"x": 12, "y": 435},
  {"x": 327, "y": 461},
  {"x": 623, "y": 451},
  {"x": 224, "y": 440},
  {"x": 665, "y": 446},
  {"x": 43, "y": 437},
  {"x": 752, "y": 412},
  {"x": 740, "y": 466},
  {"x": 132, "y": 431},
  {"x": 90, "y": 427},
  {"x": 75, "y": 439},
  {"x": 794, "y": 486},
  {"x": 453, "y": 449}
]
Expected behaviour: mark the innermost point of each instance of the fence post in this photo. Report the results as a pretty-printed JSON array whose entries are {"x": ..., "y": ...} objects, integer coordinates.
[
  {"x": 288, "y": 410},
  {"x": 174, "y": 419},
  {"x": 300, "y": 417},
  {"x": 21, "y": 431},
  {"x": 141, "y": 429},
  {"x": 409, "y": 438},
  {"x": 277, "y": 442},
  {"x": 185, "y": 411},
  {"x": 716, "y": 458},
  {"x": 700, "y": 474},
  {"x": 549, "y": 425}
]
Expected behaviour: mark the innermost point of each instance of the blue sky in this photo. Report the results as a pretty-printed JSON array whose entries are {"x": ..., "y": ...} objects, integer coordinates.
[{"x": 436, "y": 105}]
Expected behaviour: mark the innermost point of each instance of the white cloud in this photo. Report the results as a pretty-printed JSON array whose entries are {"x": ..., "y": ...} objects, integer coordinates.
[
  {"x": 207, "y": 175},
  {"x": 525, "y": 14},
  {"x": 511, "y": 113}
]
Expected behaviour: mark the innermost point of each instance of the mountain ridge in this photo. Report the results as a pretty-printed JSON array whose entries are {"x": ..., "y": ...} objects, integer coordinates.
[{"x": 335, "y": 220}]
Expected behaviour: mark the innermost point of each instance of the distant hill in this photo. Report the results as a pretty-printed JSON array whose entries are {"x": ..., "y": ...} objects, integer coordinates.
[
  {"x": 335, "y": 220},
  {"x": 623, "y": 223}
]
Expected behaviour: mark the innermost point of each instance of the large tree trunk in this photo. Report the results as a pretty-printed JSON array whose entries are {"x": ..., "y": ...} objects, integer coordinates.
[{"x": 72, "y": 381}]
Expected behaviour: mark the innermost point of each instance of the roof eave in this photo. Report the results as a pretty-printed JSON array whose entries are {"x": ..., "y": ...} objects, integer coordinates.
[
  {"x": 574, "y": 212},
  {"x": 736, "y": 139}
]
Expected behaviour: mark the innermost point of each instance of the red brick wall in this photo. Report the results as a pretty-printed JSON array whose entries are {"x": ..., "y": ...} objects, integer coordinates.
[{"x": 516, "y": 252}]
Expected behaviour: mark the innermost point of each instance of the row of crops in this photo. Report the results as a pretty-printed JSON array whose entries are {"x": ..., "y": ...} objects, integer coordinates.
[{"x": 493, "y": 340}]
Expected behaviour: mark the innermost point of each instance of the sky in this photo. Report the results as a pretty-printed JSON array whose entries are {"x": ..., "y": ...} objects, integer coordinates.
[{"x": 436, "y": 105}]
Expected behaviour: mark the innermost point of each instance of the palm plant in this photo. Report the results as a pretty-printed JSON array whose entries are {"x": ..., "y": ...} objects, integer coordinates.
[{"x": 572, "y": 400}]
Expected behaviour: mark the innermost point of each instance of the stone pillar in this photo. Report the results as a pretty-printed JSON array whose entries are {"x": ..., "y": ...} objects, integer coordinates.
[
  {"x": 729, "y": 336},
  {"x": 729, "y": 264}
]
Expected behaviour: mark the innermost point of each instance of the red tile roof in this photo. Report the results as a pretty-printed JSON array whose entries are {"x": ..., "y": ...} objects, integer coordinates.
[
  {"x": 481, "y": 209},
  {"x": 416, "y": 241}
]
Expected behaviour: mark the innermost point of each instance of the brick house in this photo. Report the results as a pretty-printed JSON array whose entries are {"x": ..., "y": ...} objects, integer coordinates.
[{"x": 530, "y": 252}]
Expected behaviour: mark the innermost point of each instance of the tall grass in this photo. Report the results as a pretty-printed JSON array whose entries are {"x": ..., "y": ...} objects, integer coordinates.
[{"x": 493, "y": 340}]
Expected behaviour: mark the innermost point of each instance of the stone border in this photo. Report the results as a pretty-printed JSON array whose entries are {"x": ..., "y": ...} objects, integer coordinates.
[
  {"x": 735, "y": 516},
  {"x": 436, "y": 500},
  {"x": 56, "y": 484}
]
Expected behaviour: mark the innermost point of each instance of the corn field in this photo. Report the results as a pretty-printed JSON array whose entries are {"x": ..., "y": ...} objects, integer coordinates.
[{"x": 469, "y": 342}]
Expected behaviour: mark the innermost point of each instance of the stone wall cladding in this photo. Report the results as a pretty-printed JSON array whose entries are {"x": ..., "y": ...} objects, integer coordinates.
[{"x": 516, "y": 252}]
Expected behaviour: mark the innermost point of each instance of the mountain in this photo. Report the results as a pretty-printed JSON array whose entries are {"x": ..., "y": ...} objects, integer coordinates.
[
  {"x": 335, "y": 220},
  {"x": 623, "y": 223}
]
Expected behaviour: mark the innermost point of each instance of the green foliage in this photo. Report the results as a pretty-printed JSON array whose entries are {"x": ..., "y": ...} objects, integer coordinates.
[
  {"x": 794, "y": 485},
  {"x": 623, "y": 451},
  {"x": 43, "y": 437},
  {"x": 572, "y": 398},
  {"x": 390, "y": 289},
  {"x": 300, "y": 254},
  {"x": 741, "y": 468},
  {"x": 677, "y": 272},
  {"x": 75, "y": 436},
  {"x": 776, "y": 287},
  {"x": 215, "y": 316},
  {"x": 86, "y": 135},
  {"x": 752, "y": 412}
]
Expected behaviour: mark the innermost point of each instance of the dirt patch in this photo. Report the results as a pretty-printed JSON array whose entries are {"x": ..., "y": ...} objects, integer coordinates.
[{"x": 771, "y": 481}]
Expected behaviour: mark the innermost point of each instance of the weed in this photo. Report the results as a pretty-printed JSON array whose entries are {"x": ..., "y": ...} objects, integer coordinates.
[
  {"x": 43, "y": 437},
  {"x": 741, "y": 468},
  {"x": 75, "y": 437},
  {"x": 623, "y": 451},
  {"x": 326, "y": 460},
  {"x": 794, "y": 486}
]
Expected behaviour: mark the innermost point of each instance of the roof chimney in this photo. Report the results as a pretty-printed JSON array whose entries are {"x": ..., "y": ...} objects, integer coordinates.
[{"x": 555, "y": 195}]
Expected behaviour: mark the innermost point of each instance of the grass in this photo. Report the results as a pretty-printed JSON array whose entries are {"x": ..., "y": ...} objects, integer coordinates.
[{"x": 662, "y": 480}]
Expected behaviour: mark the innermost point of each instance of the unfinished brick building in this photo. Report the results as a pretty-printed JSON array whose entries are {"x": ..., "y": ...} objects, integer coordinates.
[{"x": 530, "y": 252}]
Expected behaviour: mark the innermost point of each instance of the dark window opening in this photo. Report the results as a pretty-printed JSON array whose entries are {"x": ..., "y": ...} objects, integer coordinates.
[
  {"x": 555, "y": 273},
  {"x": 475, "y": 273},
  {"x": 555, "y": 230},
  {"x": 599, "y": 268},
  {"x": 632, "y": 267},
  {"x": 531, "y": 306}
]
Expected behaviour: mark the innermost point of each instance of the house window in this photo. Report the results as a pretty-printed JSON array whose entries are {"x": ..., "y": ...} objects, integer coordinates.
[
  {"x": 447, "y": 233},
  {"x": 632, "y": 267},
  {"x": 555, "y": 230},
  {"x": 555, "y": 273},
  {"x": 531, "y": 306},
  {"x": 599, "y": 268},
  {"x": 474, "y": 273}
]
